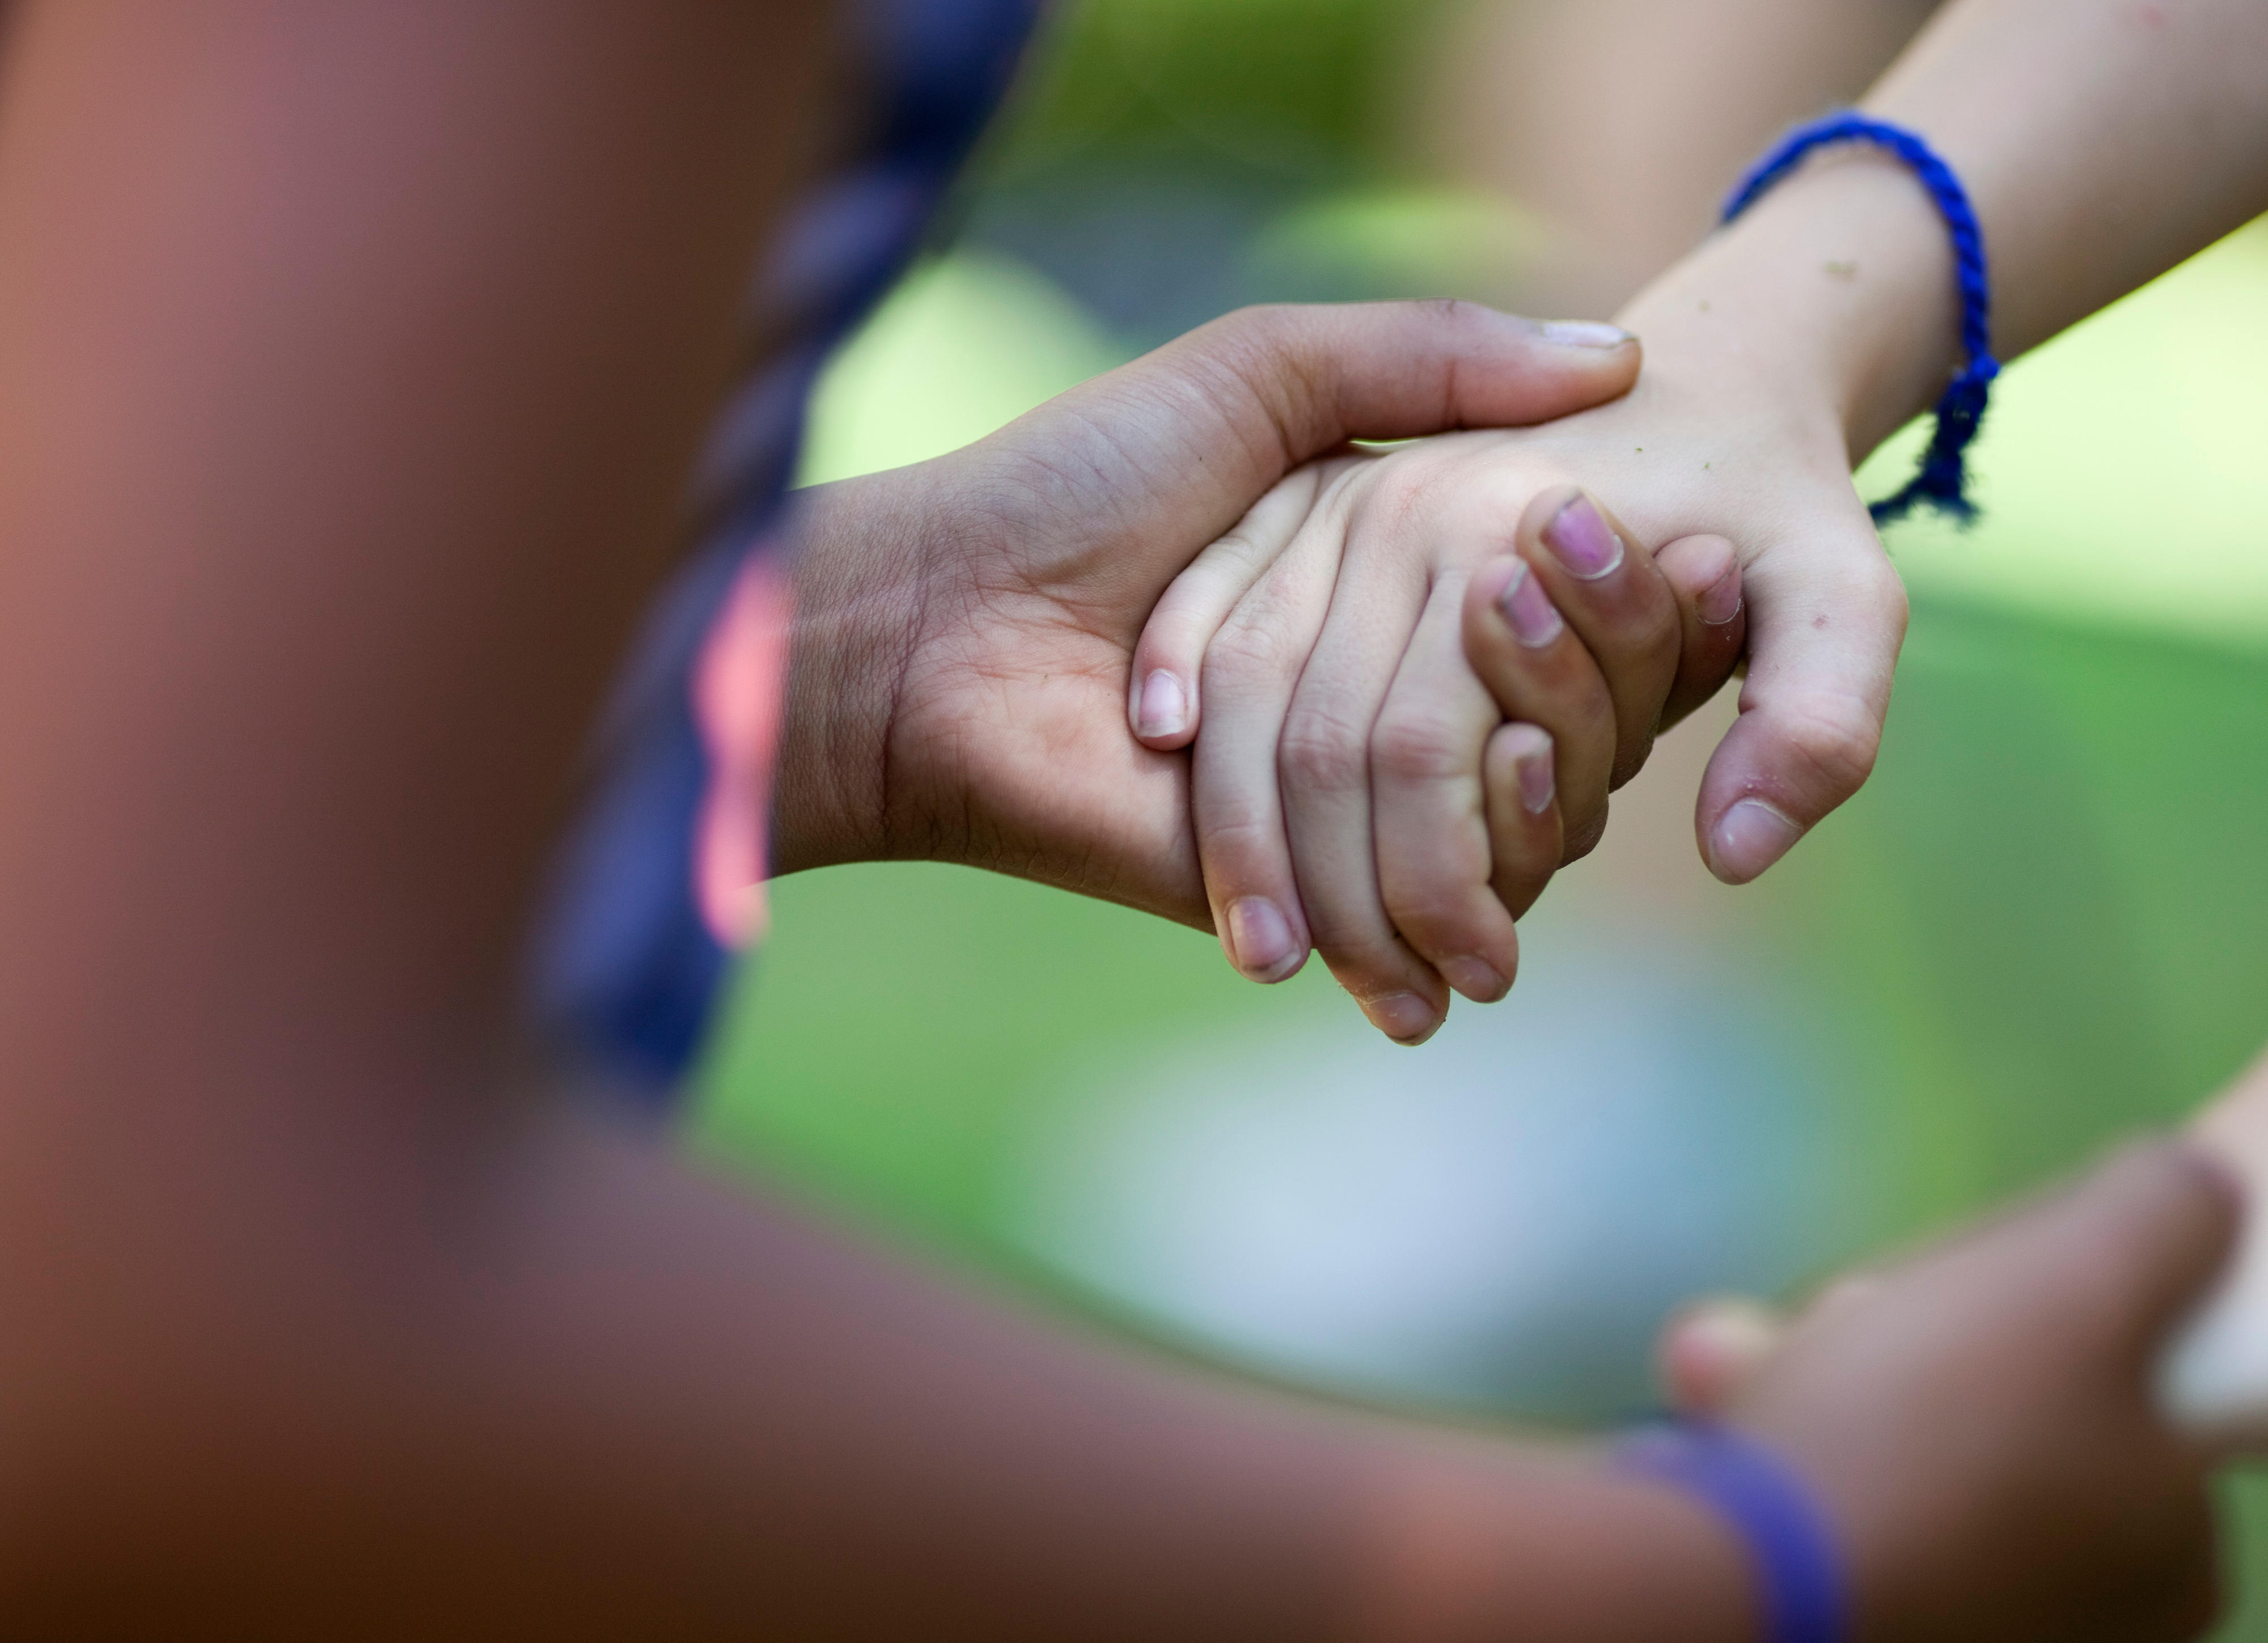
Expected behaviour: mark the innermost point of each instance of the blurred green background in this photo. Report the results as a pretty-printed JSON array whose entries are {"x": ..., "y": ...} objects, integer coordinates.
[{"x": 2044, "y": 923}]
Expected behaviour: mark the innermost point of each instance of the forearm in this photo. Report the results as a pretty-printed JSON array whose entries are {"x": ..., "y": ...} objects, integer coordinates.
[
  {"x": 2101, "y": 143},
  {"x": 1619, "y": 121},
  {"x": 354, "y": 358},
  {"x": 547, "y": 1383}
]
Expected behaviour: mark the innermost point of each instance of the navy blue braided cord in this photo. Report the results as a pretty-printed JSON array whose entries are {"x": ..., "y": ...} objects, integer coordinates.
[
  {"x": 626, "y": 970},
  {"x": 1943, "y": 479}
]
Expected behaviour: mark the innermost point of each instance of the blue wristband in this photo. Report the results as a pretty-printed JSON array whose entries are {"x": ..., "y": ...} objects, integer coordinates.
[
  {"x": 1943, "y": 479},
  {"x": 1798, "y": 1567}
]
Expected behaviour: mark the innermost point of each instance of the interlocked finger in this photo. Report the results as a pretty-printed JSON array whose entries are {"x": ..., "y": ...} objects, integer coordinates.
[{"x": 1435, "y": 856}]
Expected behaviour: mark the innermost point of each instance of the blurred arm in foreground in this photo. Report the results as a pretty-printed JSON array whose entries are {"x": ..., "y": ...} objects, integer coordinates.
[{"x": 352, "y": 358}]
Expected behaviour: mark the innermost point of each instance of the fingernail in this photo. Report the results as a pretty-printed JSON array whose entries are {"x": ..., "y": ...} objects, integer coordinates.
[
  {"x": 1404, "y": 1016},
  {"x": 1533, "y": 770},
  {"x": 1584, "y": 334},
  {"x": 1748, "y": 839},
  {"x": 1720, "y": 601},
  {"x": 1165, "y": 707},
  {"x": 1476, "y": 978},
  {"x": 1579, "y": 538},
  {"x": 1528, "y": 608},
  {"x": 1714, "y": 1346},
  {"x": 1260, "y": 942}
]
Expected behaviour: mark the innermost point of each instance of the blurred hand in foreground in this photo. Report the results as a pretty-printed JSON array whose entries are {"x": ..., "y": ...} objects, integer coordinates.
[{"x": 1978, "y": 1421}]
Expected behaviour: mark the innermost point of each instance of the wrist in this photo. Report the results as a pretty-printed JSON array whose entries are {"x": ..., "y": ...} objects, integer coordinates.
[
  {"x": 1836, "y": 290},
  {"x": 857, "y": 607},
  {"x": 1549, "y": 1544}
]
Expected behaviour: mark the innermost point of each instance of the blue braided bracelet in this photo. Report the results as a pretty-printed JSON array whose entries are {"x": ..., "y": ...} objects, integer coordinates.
[
  {"x": 1798, "y": 1567},
  {"x": 1943, "y": 480}
]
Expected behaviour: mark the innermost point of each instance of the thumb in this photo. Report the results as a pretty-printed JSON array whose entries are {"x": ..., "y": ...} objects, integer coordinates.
[
  {"x": 1824, "y": 623},
  {"x": 2135, "y": 1243},
  {"x": 1710, "y": 1351},
  {"x": 1304, "y": 379},
  {"x": 1172, "y": 448},
  {"x": 2234, "y": 1124}
]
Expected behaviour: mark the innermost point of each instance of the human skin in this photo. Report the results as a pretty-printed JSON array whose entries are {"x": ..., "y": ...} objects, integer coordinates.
[
  {"x": 1950, "y": 1305},
  {"x": 965, "y": 627},
  {"x": 1711, "y": 1352},
  {"x": 2100, "y": 143},
  {"x": 1718, "y": 1357},
  {"x": 351, "y": 361},
  {"x": 1624, "y": 177},
  {"x": 1333, "y": 792}
]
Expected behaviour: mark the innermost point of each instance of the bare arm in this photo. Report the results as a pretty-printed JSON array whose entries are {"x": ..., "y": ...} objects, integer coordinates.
[
  {"x": 1622, "y": 122},
  {"x": 2101, "y": 143},
  {"x": 350, "y": 357}
]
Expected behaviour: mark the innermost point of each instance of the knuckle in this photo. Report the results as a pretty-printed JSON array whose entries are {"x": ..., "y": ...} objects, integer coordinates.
[
  {"x": 1441, "y": 886},
  {"x": 1401, "y": 496},
  {"x": 1260, "y": 325},
  {"x": 1320, "y": 752},
  {"x": 1438, "y": 920},
  {"x": 1870, "y": 582},
  {"x": 1834, "y": 740},
  {"x": 1365, "y": 958},
  {"x": 1887, "y": 591},
  {"x": 1236, "y": 548},
  {"x": 1243, "y": 651},
  {"x": 1417, "y": 748},
  {"x": 1448, "y": 311},
  {"x": 1267, "y": 356},
  {"x": 1173, "y": 637},
  {"x": 1234, "y": 836}
]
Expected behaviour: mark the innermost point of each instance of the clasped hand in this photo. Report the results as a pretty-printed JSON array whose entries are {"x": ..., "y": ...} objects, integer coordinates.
[{"x": 1375, "y": 698}]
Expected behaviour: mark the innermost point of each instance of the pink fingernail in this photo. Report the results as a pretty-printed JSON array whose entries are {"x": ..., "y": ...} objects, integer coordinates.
[
  {"x": 1536, "y": 786},
  {"x": 1534, "y": 619},
  {"x": 1476, "y": 978},
  {"x": 1404, "y": 1016},
  {"x": 1584, "y": 334},
  {"x": 1260, "y": 941},
  {"x": 1579, "y": 537},
  {"x": 1749, "y": 838},
  {"x": 1720, "y": 601},
  {"x": 1164, "y": 710}
]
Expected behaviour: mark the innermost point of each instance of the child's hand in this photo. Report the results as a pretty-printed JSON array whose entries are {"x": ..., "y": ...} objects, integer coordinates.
[
  {"x": 1358, "y": 643},
  {"x": 2215, "y": 1379},
  {"x": 1979, "y": 1423},
  {"x": 2234, "y": 1123},
  {"x": 1735, "y": 431}
]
